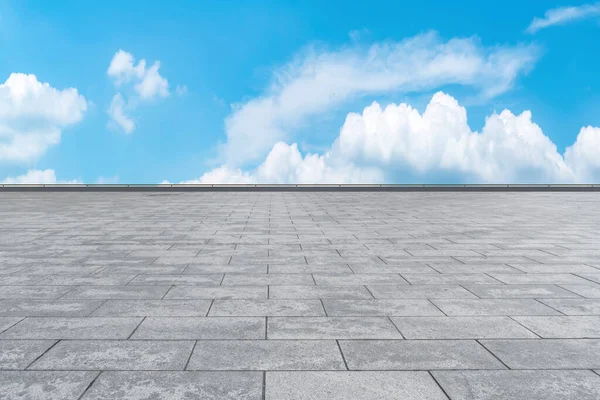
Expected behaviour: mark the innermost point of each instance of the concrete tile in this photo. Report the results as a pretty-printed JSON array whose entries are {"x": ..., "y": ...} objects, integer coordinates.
[
  {"x": 167, "y": 328},
  {"x": 461, "y": 328},
  {"x": 48, "y": 308},
  {"x": 519, "y": 291},
  {"x": 563, "y": 327},
  {"x": 319, "y": 292},
  {"x": 466, "y": 307},
  {"x": 75, "y": 280},
  {"x": 449, "y": 279},
  {"x": 392, "y": 269},
  {"x": 536, "y": 279},
  {"x": 44, "y": 385},
  {"x": 7, "y": 322},
  {"x": 72, "y": 328},
  {"x": 153, "y": 308},
  {"x": 575, "y": 306},
  {"x": 217, "y": 292},
  {"x": 116, "y": 355},
  {"x": 356, "y": 385},
  {"x": 420, "y": 292},
  {"x": 267, "y": 279},
  {"x": 546, "y": 353},
  {"x": 358, "y": 279},
  {"x": 331, "y": 328},
  {"x": 279, "y": 308},
  {"x": 31, "y": 292},
  {"x": 266, "y": 355},
  {"x": 309, "y": 269},
  {"x": 590, "y": 291},
  {"x": 416, "y": 355},
  {"x": 225, "y": 269},
  {"x": 18, "y": 354},
  {"x": 374, "y": 308},
  {"x": 164, "y": 279},
  {"x": 117, "y": 292},
  {"x": 176, "y": 385},
  {"x": 530, "y": 385}
]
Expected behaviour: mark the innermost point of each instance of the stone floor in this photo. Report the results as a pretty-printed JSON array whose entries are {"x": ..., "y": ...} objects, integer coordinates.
[{"x": 300, "y": 296}]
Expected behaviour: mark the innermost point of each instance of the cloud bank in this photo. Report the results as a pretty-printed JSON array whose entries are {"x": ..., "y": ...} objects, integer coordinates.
[
  {"x": 563, "y": 16},
  {"x": 35, "y": 176},
  {"x": 33, "y": 115},
  {"x": 316, "y": 81},
  {"x": 396, "y": 143}
]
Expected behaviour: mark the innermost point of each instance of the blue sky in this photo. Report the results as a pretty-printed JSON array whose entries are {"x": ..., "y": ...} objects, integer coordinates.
[{"x": 246, "y": 80}]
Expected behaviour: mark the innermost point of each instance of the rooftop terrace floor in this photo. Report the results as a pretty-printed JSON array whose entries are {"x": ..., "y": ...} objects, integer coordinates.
[{"x": 285, "y": 295}]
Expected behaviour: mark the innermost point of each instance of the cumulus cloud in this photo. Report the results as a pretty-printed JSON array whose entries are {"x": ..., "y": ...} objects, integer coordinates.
[
  {"x": 116, "y": 111},
  {"x": 564, "y": 15},
  {"x": 33, "y": 115},
  {"x": 316, "y": 81},
  {"x": 35, "y": 176},
  {"x": 146, "y": 84},
  {"x": 394, "y": 143}
]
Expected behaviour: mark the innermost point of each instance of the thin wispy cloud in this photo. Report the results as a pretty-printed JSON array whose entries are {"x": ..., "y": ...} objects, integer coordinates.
[{"x": 563, "y": 16}]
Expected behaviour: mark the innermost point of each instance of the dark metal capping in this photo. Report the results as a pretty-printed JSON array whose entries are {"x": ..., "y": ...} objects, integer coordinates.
[{"x": 299, "y": 188}]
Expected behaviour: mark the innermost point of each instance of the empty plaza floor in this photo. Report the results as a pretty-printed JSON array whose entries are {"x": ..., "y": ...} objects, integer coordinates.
[{"x": 299, "y": 295}]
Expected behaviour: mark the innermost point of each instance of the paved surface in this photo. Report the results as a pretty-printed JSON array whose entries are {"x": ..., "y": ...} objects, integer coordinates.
[{"x": 300, "y": 296}]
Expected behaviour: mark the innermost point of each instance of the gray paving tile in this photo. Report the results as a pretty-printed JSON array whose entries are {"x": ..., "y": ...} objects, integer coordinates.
[
  {"x": 218, "y": 292},
  {"x": 267, "y": 355},
  {"x": 530, "y": 385},
  {"x": 86, "y": 280},
  {"x": 574, "y": 306},
  {"x": 358, "y": 279},
  {"x": 309, "y": 269},
  {"x": 164, "y": 279},
  {"x": 267, "y": 279},
  {"x": 416, "y": 355},
  {"x": 7, "y": 322},
  {"x": 357, "y": 385},
  {"x": 420, "y": 292},
  {"x": 466, "y": 307},
  {"x": 280, "y": 308},
  {"x": 44, "y": 385},
  {"x": 519, "y": 291},
  {"x": 18, "y": 354},
  {"x": 547, "y": 353},
  {"x": 33, "y": 292},
  {"x": 461, "y": 328},
  {"x": 153, "y": 308},
  {"x": 116, "y": 355},
  {"x": 590, "y": 291},
  {"x": 331, "y": 328},
  {"x": 452, "y": 279},
  {"x": 528, "y": 279},
  {"x": 319, "y": 292},
  {"x": 48, "y": 308},
  {"x": 201, "y": 328},
  {"x": 72, "y": 328},
  {"x": 563, "y": 327},
  {"x": 225, "y": 269},
  {"x": 117, "y": 292},
  {"x": 176, "y": 386},
  {"x": 374, "y": 308}
]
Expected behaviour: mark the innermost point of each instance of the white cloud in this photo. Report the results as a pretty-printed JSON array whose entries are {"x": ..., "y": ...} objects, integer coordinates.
[
  {"x": 146, "y": 83},
  {"x": 116, "y": 111},
  {"x": 564, "y": 15},
  {"x": 181, "y": 90},
  {"x": 395, "y": 143},
  {"x": 35, "y": 176},
  {"x": 584, "y": 155},
  {"x": 32, "y": 116},
  {"x": 317, "y": 81}
]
